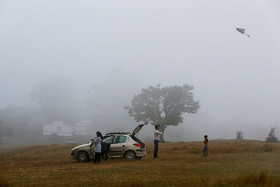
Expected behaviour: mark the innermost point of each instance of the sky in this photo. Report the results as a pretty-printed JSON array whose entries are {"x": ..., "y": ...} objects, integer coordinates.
[{"x": 235, "y": 77}]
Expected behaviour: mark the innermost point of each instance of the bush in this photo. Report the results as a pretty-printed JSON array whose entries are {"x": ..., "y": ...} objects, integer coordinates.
[
  {"x": 271, "y": 136},
  {"x": 239, "y": 135}
]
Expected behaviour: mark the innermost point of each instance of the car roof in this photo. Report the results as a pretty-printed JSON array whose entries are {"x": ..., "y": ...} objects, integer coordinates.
[{"x": 117, "y": 133}]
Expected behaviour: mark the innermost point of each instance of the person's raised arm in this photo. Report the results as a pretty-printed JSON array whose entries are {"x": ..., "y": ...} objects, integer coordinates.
[{"x": 158, "y": 131}]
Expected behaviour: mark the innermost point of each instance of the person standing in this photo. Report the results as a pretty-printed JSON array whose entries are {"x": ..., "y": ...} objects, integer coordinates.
[
  {"x": 205, "y": 150},
  {"x": 157, "y": 132},
  {"x": 97, "y": 141}
]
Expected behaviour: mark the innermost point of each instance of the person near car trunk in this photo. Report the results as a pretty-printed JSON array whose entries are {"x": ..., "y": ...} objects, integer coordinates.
[
  {"x": 105, "y": 147},
  {"x": 157, "y": 132},
  {"x": 97, "y": 141}
]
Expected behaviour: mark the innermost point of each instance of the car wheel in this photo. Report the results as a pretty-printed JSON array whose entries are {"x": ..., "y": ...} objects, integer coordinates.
[
  {"x": 130, "y": 155},
  {"x": 82, "y": 156}
]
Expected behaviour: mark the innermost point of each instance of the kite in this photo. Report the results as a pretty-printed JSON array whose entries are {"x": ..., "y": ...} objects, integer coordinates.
[{"x": 242, "y": 31}]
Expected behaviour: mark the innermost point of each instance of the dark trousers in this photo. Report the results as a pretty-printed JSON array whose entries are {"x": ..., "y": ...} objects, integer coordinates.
[
  {"x": 156, "y": 149},
  {"x": 97, "y": 157},
  {"x": 205, "y": 150}
]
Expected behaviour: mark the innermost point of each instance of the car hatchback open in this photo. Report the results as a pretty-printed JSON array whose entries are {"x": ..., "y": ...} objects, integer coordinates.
[{"x": 121, "y": 144}]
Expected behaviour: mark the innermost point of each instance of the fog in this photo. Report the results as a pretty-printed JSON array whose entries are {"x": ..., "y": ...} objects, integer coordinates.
[{"x": 110, "y": 50}]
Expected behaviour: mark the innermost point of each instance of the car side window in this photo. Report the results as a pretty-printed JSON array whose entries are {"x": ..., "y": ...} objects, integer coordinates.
[
  {"x": 119, "y": 139},
  {"x": 122, "y": 139},
  {"x": 108, "y": 140}
]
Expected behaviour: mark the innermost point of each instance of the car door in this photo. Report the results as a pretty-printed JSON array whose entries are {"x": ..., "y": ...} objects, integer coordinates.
[
  {"x": 118, "y": 146},
  {"x": 107, "y": 140}
]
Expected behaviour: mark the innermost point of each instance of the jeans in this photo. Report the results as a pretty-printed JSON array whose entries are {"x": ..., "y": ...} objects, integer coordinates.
[
  {"x": 205, "y": 150},
  {"x": 156, "y": 149}
]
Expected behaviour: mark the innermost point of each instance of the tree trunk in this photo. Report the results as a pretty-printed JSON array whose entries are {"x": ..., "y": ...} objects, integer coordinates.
[{"x": 161, "y": 140}]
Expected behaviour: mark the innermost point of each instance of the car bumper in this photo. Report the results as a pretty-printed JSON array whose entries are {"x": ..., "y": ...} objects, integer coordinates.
[
  {"x": 73, "y": 155},
  {"x": 141, "y": 152}
]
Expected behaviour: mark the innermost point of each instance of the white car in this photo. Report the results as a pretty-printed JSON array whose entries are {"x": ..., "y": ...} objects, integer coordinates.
[{"x": 120, "y": 144}]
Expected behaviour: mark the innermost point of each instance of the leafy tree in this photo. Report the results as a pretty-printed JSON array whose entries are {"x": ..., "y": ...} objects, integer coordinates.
[
  {"x": 271, "y": 136},
  {"x": 239, "y": 135},
  {"x": 164, "y": 106},
  {"x": 105, "y": 99},
  {"x": 5, "y": 131},
  {"x": 57, "y": 98},
  {"x": 54, "y": 92}
]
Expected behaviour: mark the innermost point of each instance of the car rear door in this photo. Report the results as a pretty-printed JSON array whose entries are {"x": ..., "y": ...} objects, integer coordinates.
[
  {"x": 118, "y": 146},
  {"x": 138, "y": 128}
]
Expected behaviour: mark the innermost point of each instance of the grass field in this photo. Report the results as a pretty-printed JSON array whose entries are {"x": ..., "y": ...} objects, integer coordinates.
[{"x": 230, "y": 163}]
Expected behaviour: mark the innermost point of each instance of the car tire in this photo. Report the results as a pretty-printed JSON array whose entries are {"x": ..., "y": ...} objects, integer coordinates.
[
  {"x": 130, "y": 155},
  {"x": 83, "y": 156}
]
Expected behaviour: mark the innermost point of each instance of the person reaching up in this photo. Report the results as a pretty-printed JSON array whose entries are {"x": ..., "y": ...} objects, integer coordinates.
[{"x": 157, "y": 132}]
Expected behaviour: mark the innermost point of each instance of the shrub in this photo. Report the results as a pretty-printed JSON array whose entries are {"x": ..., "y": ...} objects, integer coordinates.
[
  {"x": 271, "y": 136},
  {"x": 239, "y": 135}
]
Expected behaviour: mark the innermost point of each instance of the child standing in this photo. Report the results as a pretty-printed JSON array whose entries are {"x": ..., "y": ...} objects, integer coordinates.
[{"x": 205, "y": 150}]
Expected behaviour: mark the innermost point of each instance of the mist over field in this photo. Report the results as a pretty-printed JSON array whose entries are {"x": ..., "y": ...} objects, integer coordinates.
[{"x": 88, "y": 59}]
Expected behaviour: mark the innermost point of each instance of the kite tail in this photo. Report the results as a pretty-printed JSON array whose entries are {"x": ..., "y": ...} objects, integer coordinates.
[{"x": 247, "y": 34}]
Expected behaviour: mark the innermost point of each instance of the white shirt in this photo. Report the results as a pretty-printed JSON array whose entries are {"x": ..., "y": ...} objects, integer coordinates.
[
  {"x": 157, "y": 134},
  {"x": 97, "y": 141}
]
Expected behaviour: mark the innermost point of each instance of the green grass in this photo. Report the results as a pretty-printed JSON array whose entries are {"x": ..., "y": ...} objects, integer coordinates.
[{"x": 230, "y": 163}]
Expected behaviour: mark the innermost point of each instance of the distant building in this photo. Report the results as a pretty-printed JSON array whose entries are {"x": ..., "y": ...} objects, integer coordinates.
[
  {"x": 82, "y": 128},
  {"x": 58, "y": 128}
]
